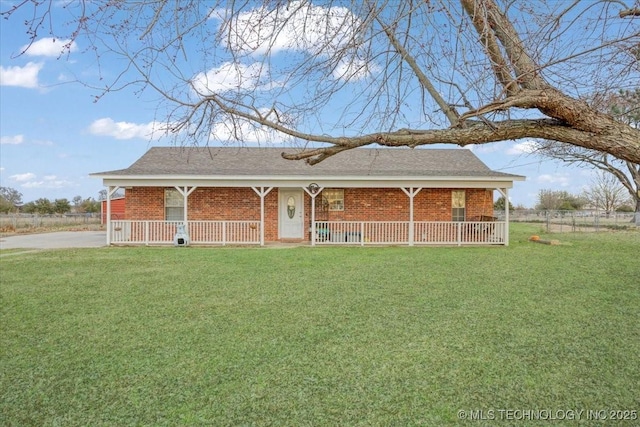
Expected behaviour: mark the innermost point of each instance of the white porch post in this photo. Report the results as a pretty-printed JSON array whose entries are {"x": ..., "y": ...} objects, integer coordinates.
[
  {"x": 110, "y": 192},
  {"x": 411, "y": 192},
  {"x": 262, "y": 192},
  {"x": 186, "y": 192},
  {"x": 505, "y": 194},
  {"x": 506, "y": 217},
  {"x": 316, "y": 190}
]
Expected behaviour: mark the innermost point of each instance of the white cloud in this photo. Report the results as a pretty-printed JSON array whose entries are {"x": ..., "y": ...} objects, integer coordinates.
[
  {"x": 354, "y": 69},
  {"x": 248, "y": 133},
  {"x": 561, "y": 179},
  {"x": 12, "y": 140},
  {"x": 26, "y": 76},
  {"x": 293, "y": 26},
  {"x": 29, "y": 180},
  {"x": 525, "y": 147},
  {"x": 48, "y": 183},
  {"x": 50, "y": 47},
  {"x": 22, "y": 177},
  {"x": 228, "y": 76},
  {"x": 125, "y": 130},
  {"x": 301, "y": 27}
]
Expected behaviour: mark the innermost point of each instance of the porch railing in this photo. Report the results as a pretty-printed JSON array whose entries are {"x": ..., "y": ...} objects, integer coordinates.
[
  {"x": 326, "y": 232},
  {"x": 399, "y": 232},
  {"x": 200, "y": 232}
]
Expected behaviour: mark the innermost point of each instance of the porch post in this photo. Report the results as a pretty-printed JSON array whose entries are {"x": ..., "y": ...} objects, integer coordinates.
[
  {"x": 313, "y": 219},
  {"x": 411, "y": 192},
  {"x": 313, "y": 190},
  {"x": 186, "y": 192},
  {"x": 262, "y": 193},
  {"x": 506, "y": 217},
  {"x": 505, "y": 194},
  {"x": 110, "y": 192}
]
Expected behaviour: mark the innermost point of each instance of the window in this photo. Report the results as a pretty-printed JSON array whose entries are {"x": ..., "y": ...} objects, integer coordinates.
[
  {"x": 334, "y": 199},
  {"x": 173, "y": 205},
  {"x": 457, "y": 205}
]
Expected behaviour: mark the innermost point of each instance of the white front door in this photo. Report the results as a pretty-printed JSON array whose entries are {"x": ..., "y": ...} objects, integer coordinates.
[{"x": 291, "y": 214}]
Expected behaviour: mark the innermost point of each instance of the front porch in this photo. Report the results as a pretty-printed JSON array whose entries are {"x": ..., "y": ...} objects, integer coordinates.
[{"x": 140, "y": 232}]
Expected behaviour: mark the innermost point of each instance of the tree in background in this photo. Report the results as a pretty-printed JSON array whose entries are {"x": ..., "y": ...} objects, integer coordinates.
[
  {"x": 606, "y": 193},
  {"x": 77, "y": 204},
  {"x": 624, "y": 105},
  {"x": 10, "y": 198},
  {"x": 42, "y": 206},
  {"x": 552, "y": 200},
  {"x": 413, "y": 72},
  {"x": 61, "y": 206},
  {"x": 499, "y": 205},
  {"x": 90, "y": 205}
]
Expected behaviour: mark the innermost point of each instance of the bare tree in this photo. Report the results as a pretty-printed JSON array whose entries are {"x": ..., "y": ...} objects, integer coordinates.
[
  {"x": 404, "y": 73},
  {"x": 625, "y": 107},
  {"x": 606, "y": 193}
]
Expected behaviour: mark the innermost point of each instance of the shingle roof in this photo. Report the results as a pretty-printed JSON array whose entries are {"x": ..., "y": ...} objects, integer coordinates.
[{"x": 252, "y": 161}]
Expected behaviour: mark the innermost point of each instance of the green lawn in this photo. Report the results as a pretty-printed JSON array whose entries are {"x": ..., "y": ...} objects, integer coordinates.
[{"x": 321, "y": 336}]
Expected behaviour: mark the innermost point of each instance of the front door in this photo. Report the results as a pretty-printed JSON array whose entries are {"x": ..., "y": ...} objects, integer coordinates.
[{"x": 291, "y": 214}]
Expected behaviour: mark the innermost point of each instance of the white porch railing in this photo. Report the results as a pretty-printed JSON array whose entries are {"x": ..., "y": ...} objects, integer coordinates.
[
  {"x": 200, "y": 232},
  {"x": 326, "y": 232},
  {"x": 398, "y": 232}
]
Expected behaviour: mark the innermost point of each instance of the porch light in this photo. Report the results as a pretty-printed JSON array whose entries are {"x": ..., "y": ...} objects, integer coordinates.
[{"x": 313, "y": 188}]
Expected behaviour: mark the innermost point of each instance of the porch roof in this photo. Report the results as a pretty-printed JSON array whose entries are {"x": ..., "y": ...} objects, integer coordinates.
[{"x": 250, "y": 166}]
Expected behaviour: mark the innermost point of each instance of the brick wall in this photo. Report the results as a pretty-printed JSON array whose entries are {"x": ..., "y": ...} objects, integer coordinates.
[{"x": 368, "y": 204}]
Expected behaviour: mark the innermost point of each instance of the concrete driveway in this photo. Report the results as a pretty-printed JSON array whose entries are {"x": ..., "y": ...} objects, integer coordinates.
[{"x": 57, "y": 240}]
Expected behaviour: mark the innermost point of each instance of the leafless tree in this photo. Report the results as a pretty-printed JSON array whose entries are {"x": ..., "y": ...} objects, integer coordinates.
[
  {"x": 606, "y": 193},
  {"x": 625, "y": 107},
  {"x": 345, "y": 74}
]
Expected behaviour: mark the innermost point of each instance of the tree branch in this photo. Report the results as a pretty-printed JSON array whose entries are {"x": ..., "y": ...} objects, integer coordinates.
[
  {"x": 472, "y": 133},
  {"x": 487, "y": 39},
  {"x": 449, "y": 111},
  {"x": 630, "y": 12}
]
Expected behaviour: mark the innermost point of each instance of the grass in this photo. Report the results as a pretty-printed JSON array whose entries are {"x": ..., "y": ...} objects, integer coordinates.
[{"x": 320, "y": 336}]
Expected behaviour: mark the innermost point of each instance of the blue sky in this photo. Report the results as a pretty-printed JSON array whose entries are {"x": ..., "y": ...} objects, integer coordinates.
[{"x": 53, "y": 133}]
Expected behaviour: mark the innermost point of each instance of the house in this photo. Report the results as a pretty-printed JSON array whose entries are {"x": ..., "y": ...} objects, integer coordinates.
[
  {"x": 117, "y": 209},
  {"x": 240, "y": 195}
]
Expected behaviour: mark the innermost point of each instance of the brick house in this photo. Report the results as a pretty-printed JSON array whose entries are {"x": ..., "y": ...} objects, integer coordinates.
[{"x": 240, "y": 195}]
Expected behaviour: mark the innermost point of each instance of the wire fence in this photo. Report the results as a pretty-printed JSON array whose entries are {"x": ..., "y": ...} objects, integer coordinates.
[
  {"x": 552, "y": 221},
  {"x": 574, "y": 221},
  {"x": 21, "y": 221}
]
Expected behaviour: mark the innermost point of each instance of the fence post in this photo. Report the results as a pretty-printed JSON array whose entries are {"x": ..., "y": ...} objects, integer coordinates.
[
  {"x": 459, "y": 233},
  {"x": 362, "y": 233},
  {"x": 146, "y": 233}
]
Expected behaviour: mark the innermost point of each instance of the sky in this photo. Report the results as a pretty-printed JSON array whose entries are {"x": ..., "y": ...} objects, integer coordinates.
[{"x": 53, "y": 132}]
